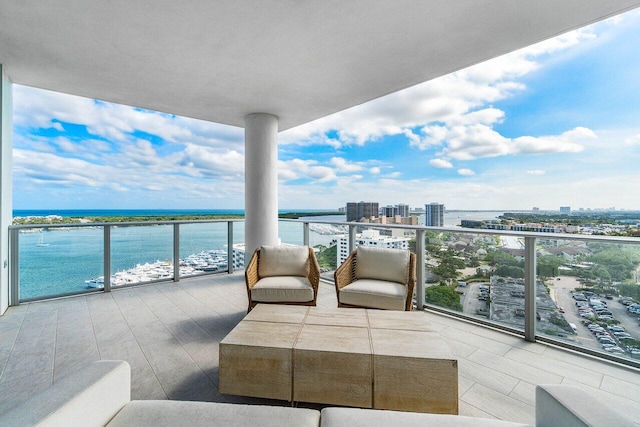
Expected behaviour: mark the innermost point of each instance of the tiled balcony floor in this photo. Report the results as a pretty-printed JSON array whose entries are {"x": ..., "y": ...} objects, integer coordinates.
[{"x": 169, "y": 333}]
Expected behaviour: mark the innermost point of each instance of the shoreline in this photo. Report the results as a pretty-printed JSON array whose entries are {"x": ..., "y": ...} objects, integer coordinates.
[{"x": 82, "y": 219}]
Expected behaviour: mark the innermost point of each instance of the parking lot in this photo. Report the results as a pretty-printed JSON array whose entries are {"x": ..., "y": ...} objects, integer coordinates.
[{"x": 561, "y": 292}]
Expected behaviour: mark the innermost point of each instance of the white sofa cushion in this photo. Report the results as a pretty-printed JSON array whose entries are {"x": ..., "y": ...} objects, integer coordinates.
[
  {"x": 391, "y": 265},
  {"x": 89, "y": 397},
  {"x": 354, "y": 417},
  {"x": 375, "y": 294},
  {"x": 282, "y": 289},
  {"x": 283, "y": 261},
  {"x": 568, "y": 406},
  {"x": 159, "y": 413}
]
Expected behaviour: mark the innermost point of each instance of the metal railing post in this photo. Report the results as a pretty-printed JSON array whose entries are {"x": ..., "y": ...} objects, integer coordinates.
[
  {"x": 230, "y": 247},
  {"x": 420, "y": 263},
  {"x": 14, "y": 267},
  {"x": 176, "y": 252},
  {"x": 352, "y": 238},
  {"x": 107, "y": 257},
  {"x": 305, "y": 233},
  {"x": 530, "y": 289}
]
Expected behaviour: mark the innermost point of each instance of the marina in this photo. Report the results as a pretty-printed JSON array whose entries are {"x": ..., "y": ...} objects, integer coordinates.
[{"x": 204, "y": 262}]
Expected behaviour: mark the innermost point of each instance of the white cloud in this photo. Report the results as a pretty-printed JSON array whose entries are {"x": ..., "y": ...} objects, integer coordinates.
[
  {"x": 305, "y": 169},
  {"x": 466, "y": 172},
  {"x": 374, "y": 170},
  {"x": 536, "y": 172},
  {"x": 453, "y": 111},
  {"x": 440, "y": 163},
  {"x": 478, "y": 141},
  {"x": 41, "y": 109},
  {"x": 634, "y": 140},
  {"x": 343, "y": 166}
]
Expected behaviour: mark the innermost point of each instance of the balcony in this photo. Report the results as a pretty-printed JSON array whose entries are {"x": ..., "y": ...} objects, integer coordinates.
[{"x": 170, "y": 332}]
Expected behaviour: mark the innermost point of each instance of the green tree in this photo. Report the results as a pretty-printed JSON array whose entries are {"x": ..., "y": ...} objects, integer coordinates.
[
  {"x": 446, "y": 271},
  {"x": 500, "y": 257},
  {"x": 443, "y": 296},
  {"x": 412, "y": 245},
  {"x": 327, "y": 257},
  {"x": 510, "y": 271},
  {"x": 547, "y": 265}
]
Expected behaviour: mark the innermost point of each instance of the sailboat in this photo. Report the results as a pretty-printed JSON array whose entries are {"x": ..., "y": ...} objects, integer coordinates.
[{"x": 41, "y": 242}]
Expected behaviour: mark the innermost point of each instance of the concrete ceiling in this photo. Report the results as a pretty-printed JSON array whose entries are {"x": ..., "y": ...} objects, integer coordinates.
[{"x": 297, "y": 59}]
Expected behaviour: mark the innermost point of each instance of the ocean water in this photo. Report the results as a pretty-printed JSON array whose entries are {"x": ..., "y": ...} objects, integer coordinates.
[{"x": 58, "y": 261}]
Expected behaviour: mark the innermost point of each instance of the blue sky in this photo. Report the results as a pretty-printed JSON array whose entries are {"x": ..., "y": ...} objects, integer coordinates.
[{"x": 554, "y": 124}]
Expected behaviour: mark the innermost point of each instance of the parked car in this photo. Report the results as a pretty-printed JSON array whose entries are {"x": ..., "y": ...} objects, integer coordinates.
[
  {"x": 622, "y": 335},
  {"x": 616, "y": 328}
]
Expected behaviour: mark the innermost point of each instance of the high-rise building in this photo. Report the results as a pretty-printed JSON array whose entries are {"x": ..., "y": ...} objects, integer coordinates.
[
  {"x": 434, "y": 215},
  {"x": 565, "y": 209},
  {"x": 359, "y": 210},
  {"x": 403, "y": 210},
  {"x": 392, "y": 211}
]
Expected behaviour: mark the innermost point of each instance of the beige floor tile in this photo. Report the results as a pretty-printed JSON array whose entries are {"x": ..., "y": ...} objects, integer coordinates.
[
  {"x": 514, "y": 368},
  {"x": 499, "y": 405}
]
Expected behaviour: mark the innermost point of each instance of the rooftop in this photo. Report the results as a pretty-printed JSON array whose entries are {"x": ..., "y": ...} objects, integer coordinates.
[{"x": 169, "y": 333}]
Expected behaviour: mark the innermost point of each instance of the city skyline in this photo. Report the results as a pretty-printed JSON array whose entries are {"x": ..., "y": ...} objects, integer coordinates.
[{"x": 555, "y": 124}]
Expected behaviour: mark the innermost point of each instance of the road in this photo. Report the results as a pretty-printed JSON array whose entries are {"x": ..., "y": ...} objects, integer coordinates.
[
  {"x": 470, "y": 302},
  {"x": 511, "y": 242}
]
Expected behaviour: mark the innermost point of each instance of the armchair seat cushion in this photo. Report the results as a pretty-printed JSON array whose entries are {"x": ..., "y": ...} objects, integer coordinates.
[
  {"x": 282, "y": 289},
  {"x": 374, "y": 294}
]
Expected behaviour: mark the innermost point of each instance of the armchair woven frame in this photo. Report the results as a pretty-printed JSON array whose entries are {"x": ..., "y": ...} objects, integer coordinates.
[
  {"x": 252, "y": 277},
  {"x": 346, "y": 274}
]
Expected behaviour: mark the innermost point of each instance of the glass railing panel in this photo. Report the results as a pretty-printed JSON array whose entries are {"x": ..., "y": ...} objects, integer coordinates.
[
  {"x": 239, "y": 255},
  {"x": 141, "y": 254},
  {"x": 478, "y": 275},
  {"x": 324, "y": 239},
  {"x": 290, "y": 233},
  {"x": 59, "y": 261},
  {"x": 203, "y": 248},
  {"x": 595, "y": 293}
]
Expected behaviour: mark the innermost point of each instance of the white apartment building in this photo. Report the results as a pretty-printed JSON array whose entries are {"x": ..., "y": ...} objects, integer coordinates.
[{"x": 370, "y": 238}]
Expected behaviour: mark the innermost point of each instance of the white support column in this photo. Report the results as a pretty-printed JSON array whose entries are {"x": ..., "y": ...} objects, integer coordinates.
[
  {"x": 261, "y": 181},
  {"x": 6, "y": 202}
]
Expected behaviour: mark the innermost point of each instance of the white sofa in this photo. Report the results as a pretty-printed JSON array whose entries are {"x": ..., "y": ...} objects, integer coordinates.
[{"x": 100, "y": 395}]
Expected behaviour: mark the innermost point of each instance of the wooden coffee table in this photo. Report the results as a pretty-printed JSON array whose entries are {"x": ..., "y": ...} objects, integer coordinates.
[{"x": 340, "y": 356}]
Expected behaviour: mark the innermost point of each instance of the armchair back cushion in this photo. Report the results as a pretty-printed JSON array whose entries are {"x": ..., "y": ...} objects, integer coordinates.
[
  {"x": 283, "y": 261},
  {"x": 391, "y": 265}
]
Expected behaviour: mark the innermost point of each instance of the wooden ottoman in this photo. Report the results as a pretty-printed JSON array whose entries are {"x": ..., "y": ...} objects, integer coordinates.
[{"x": 413, "y": 371}]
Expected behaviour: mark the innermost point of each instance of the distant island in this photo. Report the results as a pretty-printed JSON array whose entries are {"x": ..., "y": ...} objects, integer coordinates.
[{"x": 58, "y": 219}]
